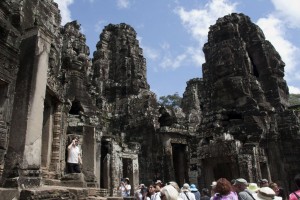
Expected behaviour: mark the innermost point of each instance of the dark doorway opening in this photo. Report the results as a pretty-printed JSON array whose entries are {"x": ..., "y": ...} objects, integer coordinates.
[
  {"x": 180, "y": 163},
  {"x": 105, "y": 165},
  {"x": 223, "y": 170},
  {"x": 128, "y": 171}
]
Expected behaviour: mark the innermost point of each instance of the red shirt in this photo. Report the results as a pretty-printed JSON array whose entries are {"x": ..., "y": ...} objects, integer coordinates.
[{"x": 293, "y": 196}]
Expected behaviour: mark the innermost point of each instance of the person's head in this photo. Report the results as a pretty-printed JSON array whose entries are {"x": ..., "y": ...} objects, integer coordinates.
[
  {"x": 223, "y": 186},
  {"x": 126, "y": 180},
  {"x": 169, "y": 193},
  {"x": 157, "y": 187},
  {"x": 141, "y": 186},
  {"x": 175, "y": 185},
  {"x": 159, "y": 183},
  {"x": 274, "y": 187},
  {"x": 144, "y": 191},
  {"x": 193, "y": 188},
  {"x": 263, "y": 182},
  {"x": 265, "y": 193},
  {"x": 252, "y": 187},
  {"x": 76, "y": 140},
  {"x": 186, "y": 188},
  {"x": 151, "y": 189},
  {"x": 205, "y": 192},
  {"x": 240, "y": 184},
  {"x": 297, "y": 180}
]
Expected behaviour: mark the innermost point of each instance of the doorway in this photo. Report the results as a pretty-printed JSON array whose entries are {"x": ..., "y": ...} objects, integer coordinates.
[{"x": 180, "y": 163}]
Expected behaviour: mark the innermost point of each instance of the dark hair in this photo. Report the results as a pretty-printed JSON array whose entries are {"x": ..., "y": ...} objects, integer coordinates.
[
  {"x": 205, "y": 191},
  {"x": 223, "y": 186},
  {"x": 297, "y": 180}
]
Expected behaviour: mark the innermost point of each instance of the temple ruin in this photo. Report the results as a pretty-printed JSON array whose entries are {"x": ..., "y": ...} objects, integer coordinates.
[{"x": 234, "y": 122}]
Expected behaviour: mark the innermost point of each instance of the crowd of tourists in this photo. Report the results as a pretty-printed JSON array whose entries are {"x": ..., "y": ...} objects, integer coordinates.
[{"x": 222, "y": 189}]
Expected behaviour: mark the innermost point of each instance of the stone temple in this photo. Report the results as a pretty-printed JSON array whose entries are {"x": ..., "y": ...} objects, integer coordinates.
[{"x": 234, "y": 122}]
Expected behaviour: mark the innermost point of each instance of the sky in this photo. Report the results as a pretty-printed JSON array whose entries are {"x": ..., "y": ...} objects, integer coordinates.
[{"x": 172, "y": 32}]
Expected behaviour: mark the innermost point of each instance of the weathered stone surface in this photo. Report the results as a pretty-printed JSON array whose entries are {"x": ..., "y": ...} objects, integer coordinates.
[
  {"x": 244, "y": 98},
  {"x": 233, "y": 122}
]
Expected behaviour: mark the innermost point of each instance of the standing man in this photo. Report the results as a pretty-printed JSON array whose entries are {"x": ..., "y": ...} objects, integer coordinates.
[
  {"x": 74, "y": 158},
  {"x": 243, "y": 193}
]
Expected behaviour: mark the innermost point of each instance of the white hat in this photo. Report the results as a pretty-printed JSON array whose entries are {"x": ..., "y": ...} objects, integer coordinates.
[
  {"x": 252, "y": 187},
  {"x": 213, "y": 184},
  {"x": 185, "y": 187},
  {"x": 265, "y": 193}
]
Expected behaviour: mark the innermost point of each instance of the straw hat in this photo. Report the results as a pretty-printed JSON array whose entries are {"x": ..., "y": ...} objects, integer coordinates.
[{"x": 252, "y": 187}]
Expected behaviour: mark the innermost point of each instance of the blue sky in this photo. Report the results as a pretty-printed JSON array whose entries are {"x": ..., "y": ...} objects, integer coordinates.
[{"x": 173, "y": 32}]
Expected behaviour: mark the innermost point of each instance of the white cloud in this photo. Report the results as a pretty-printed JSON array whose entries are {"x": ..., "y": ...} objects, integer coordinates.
[
  {"x": 65, "y": 12},
  {"x": 274, "y": 30},
  {"x": 294, "y": 90},
  {"x": 150, "y": 53},
  {"x": 173, "y": 63},
  {"x": 288, "y": 11},
  {"x": 197, "y": 22},
  {"x": 123, "y": 4}
]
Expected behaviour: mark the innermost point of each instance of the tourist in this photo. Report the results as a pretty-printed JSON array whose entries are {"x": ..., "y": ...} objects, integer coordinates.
[
  {"x": 264, "y": 193},
  {"x": 125, "y": 187},
  {"x": 169, "y": 193},
  {"x": 151, "y": 191},
  {"x": 144, "y": 192},
  {"x": 156, "y": 194},
  {"x": 195, "y": 191},
  {"x": 274, "y": 187},
  {"x": 138, "y": 193},
  {"x": 252, "y": 187},
  {"x": 263, "y": 183},
  {"x": 185, "y": 193},
  {"x": 296, "y": 194},
  {"x": 224, "y": 190},
  {"x": 74, "y": 158},
  {"x": 175, "y": 185},
  {"x": 241, "y": 189},
  {"x": 205, "y": 194},
  {"x": 212, "y": 191}
]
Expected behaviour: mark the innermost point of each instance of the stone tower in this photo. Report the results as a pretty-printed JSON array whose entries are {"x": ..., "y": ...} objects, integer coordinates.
[{"x": 244, "y": 96}]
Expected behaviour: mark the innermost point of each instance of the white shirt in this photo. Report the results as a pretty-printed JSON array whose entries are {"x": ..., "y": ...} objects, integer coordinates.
[
  {"x": 73, "y": 155},
  {"x": 189, "y": 194}
]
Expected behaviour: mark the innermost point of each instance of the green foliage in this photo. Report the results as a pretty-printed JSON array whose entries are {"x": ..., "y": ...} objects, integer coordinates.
[
  {"x": 294, "y": 99},
  {"x": 173, "y": 100}
]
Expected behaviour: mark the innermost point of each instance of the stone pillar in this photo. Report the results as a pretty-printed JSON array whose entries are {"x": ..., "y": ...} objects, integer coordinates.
[
  {"x": 89, "y": 156},
  {"x": 56, "y": 144},
  {"x": 23, "y": 159}
]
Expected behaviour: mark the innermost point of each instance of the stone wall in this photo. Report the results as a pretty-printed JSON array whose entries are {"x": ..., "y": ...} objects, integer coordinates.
[{"x": 233, "y": 122}]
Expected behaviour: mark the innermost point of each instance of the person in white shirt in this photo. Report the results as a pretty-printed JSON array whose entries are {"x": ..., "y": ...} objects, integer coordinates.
[
  {"x": 185, "y": 193},
  {"x": 74, "y": 158},
  {"x": 125, "y": 187}
]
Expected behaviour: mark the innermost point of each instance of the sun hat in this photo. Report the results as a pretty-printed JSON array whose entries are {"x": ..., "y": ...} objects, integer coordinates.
[
  {"x": 252, "y": 187},
  {"x": 185, "y": 187},
  {"x": 213, "y": 184},
  {"x": 265, "y": 193},
  {"x": 263, "y": 180},
  {"x": 158, "y": 182},
  {"x": 193, "y": 188}
]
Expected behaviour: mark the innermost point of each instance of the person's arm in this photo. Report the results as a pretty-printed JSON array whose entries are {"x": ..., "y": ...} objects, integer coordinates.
[
  {"x": 72, "y": 144},
  {"x": 79, "y": 159}
]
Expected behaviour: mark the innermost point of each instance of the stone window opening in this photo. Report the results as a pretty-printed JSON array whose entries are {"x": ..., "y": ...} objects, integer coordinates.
[
  {"x": 254, "y": 68},
  {"x": 76, "y": 108}
]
